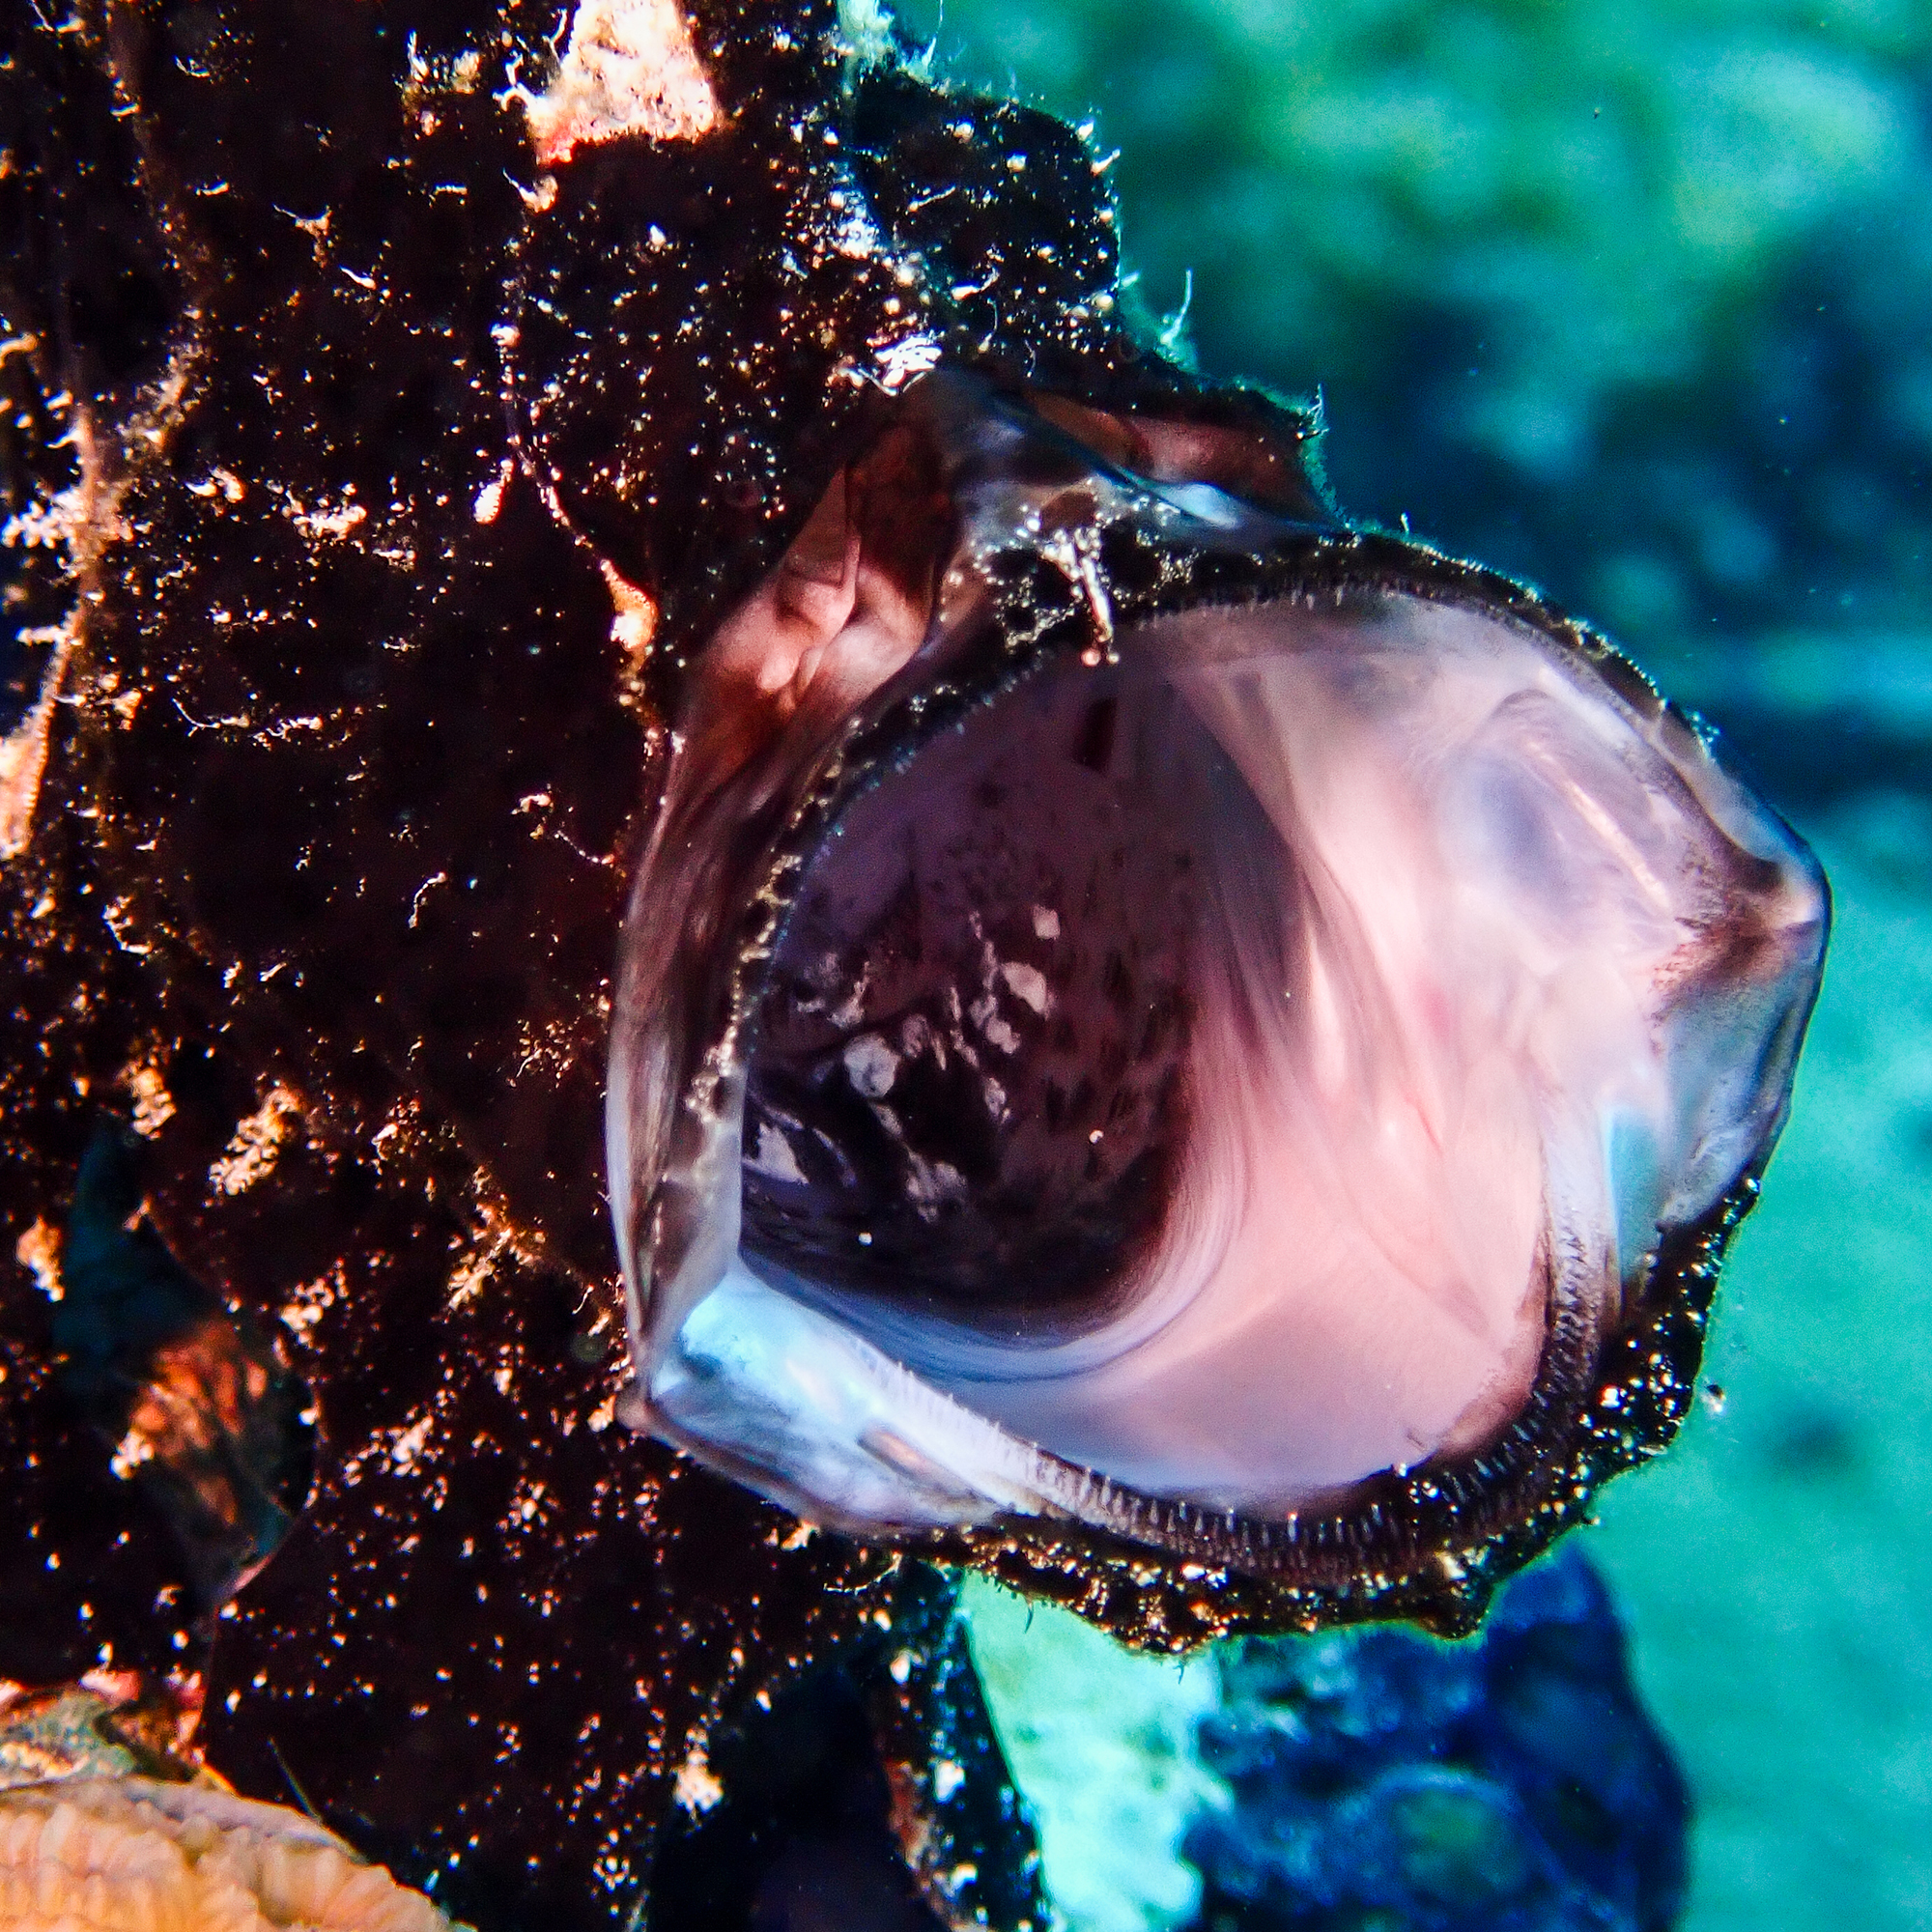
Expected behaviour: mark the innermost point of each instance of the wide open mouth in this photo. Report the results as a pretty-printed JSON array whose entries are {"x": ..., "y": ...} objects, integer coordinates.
[
  {"x": 1212, "y": 1067},
  {"x": 1248, "y": 1048}
]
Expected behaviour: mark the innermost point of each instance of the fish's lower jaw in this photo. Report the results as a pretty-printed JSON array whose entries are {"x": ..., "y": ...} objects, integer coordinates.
[{"x": 817, "y": 1419}]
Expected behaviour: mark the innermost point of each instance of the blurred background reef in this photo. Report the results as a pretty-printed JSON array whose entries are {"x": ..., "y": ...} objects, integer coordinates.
[
  {"x": 1628, "y": 296},
  {"x": 1632, "y": 297}
]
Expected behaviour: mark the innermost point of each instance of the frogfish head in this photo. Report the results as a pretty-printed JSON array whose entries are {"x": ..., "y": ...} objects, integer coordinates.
[{"x": 1154, "y": 1017}]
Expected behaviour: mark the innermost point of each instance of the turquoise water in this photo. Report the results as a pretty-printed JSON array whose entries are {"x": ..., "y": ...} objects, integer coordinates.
[
  {"x": 1775, "y": 1569},
  {"x": 1629, "y": 297},
  {"x": 1101, "y": 1740}
]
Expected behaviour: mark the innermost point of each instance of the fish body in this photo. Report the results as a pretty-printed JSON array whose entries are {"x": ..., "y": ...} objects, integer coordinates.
[{"x": 443, "y": 498}]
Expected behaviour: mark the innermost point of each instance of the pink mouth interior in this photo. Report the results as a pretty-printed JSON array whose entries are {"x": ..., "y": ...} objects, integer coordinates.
[{"x": 1212, "y": 1067}]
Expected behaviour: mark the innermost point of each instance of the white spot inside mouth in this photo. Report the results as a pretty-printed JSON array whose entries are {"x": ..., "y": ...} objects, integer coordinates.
[
  {"x": 1026, "y": 982},
  {"x": 1045, "y": 923},
  {"x": 871, "y": 1066},
  {"x": 930, "y": 1182},
  {"x": 851, "y": 1010},
  {"x": 917, "y": 1037},
  {"x": 986, "y": 1015},
  {"x": 774, "y": 1159}
]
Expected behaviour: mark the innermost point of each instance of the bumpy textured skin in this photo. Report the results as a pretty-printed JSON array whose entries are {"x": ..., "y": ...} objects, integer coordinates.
[
  {"x": 329, "y": 850},
  {"x": 330, "y": 423}
]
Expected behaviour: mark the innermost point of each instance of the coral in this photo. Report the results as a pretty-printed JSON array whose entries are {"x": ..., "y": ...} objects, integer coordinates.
[
  {"x": 1511, "y": 1784},
  {"x": 129, "y": 1855}
]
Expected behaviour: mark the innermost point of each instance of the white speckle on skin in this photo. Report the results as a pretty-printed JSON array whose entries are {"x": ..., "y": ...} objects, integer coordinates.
[
  {"x": 407, "y": 1444},
  {"x": 312, "y": 1300},
  {"x": 898, "y": 362},
  {"x": 23, "y": 752},
  {"x": 946, "y": 1779},
  {"x": 134, "y": 1449},
  {"x": 153, "y": 1104},
  {"x": 324, "y": 522},
  {"x": 490, "y": 498},
  {"x": 38, "y": 1251},
  {"x": 415, "y": 904},
  {"x": 633, "y": 620},
  {"x": 256, "y": 1143},
  {"x": 696, "y": 1787}
]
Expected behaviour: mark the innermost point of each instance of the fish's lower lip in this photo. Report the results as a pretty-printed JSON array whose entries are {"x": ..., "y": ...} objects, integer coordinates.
[{"x": 822, "y": 1420}]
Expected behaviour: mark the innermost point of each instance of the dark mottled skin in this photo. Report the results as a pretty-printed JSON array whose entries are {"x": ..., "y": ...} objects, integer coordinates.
[
  {"x": 347, "y": 771},
  {"x": 335, "y": 818}
]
